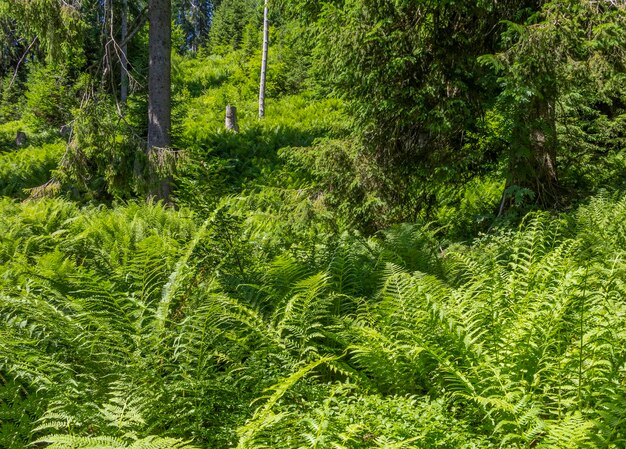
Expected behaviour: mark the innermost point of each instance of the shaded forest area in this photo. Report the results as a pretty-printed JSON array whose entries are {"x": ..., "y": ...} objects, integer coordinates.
[{"x": 414, "y": 235}]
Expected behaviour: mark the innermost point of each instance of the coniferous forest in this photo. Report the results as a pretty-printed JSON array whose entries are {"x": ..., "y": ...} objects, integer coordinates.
[{"x": 312, "y": 224}]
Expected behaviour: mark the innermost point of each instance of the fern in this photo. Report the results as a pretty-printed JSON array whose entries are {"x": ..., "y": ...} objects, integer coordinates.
[
  {"x": 123, "y": 328},
  {"x": 73, "y": 442}
]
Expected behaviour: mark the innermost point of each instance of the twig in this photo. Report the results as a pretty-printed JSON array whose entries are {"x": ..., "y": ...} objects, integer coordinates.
[{"x": 17, "y": 67}]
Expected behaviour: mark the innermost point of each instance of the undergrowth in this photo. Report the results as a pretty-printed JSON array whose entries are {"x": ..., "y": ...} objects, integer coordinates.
[
  {"x": 143, "y": 327},
  {"x": 277, "y": 306}
]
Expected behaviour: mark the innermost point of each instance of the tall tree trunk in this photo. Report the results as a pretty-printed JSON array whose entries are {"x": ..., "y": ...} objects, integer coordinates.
[
  {"x": 266, "y": 39},
  {"x": 533, "y": 159},
  {"x": 124, "y": 54},
  {"x": 196, "y": 17},
  {"x": 159, "y": 97}
]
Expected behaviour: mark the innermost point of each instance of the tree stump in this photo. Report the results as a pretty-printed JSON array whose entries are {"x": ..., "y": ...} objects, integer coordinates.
[
  {"x": 20, "y": 139},
  {"x": 231, "y": 119},
  {"x": 65, "y": 130}
]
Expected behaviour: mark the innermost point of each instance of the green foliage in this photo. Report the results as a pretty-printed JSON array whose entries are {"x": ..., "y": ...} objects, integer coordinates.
[
  {"x": 413, "y": 87},
  {"x": 50, "y": 98},
  {"x": 65, "y": 442},
  {"x": 562, "y": 84},
  {"x": 8, "y": 133},
  {"x": 28, "y": 168},
  {"x": 11, "y": 99},
  {"x": 101, "y": 161},
  {"x": 232, "y": 20},
  {"x": 341, "y": 274},
  {"x": 19, "y": 407},
  {"x": 134, "y": 325},
  {"x": 217, "y": 162},
  {"x": 523, "y": 89},
  {"x": 58, "y": 25}
]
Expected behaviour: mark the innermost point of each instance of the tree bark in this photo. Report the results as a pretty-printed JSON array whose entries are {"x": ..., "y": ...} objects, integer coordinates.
[
  {"x": 543, "y": 142},
  {"x": 533, "y": 163},
  {"x": 266, "y": 38},
  {"x": 159, "y": 97}
]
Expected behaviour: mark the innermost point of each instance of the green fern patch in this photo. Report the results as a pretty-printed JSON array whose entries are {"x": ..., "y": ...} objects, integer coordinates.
[{"x": 139, "y": 327}]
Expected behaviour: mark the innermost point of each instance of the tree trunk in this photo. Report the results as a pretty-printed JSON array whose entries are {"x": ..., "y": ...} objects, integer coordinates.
[
  {"x": 196, "y": 17},
  {"x": 533, "y": 159},
  {"x": 159, "y": 97},
  {"x": 266, "y": 39},
  {"x": 124, "y": 54},
  {"x": 543, "y": 142}
]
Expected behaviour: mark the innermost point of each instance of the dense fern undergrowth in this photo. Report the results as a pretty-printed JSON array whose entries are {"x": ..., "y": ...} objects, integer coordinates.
[
  {"x": 275, "y": 307},
  {"x": 138, "y": 326}
]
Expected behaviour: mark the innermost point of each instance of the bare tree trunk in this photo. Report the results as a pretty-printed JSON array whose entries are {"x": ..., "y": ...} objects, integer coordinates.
[
  {"x": 195, "y": 19},
  {"x": 124, "y": 54},
  {"x": 159, "y": 97},
  {"x": 266, "y": 39}
]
